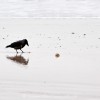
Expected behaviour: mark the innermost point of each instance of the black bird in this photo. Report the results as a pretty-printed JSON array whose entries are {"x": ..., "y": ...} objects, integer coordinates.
[{"x": 18, "y": 44}]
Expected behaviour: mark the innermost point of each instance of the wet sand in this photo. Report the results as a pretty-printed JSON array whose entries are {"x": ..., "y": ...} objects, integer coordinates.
[
  {"x": 48, "y": 9},
  {"x": 61, "y": 62}
]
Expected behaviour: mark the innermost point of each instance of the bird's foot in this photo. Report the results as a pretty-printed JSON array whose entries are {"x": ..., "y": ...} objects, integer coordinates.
[{"x": 22, "y": 51}]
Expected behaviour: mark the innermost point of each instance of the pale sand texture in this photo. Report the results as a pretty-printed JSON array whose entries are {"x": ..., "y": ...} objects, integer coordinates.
[
  {"x": 49, "y": 8},
  {"x": 39, "y": 75}
]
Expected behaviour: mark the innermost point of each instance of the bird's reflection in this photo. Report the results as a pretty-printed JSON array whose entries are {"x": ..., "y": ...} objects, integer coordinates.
[{"x": 18, "y": 59}]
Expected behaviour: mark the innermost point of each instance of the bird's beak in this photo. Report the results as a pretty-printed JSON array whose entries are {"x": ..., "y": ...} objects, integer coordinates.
[{"x": 27, "y": 44}]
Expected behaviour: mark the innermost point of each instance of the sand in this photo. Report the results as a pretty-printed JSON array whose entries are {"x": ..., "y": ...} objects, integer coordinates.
[
  {"x": 38, "y": 74},
  {"x": 49, "y": 8}
]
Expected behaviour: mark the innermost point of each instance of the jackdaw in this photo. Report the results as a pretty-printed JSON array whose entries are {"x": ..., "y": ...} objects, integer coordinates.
[{"x": 18, "y": 44}]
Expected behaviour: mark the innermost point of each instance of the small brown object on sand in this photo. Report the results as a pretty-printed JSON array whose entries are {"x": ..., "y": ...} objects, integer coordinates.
[{"x": 57, "y": 55}]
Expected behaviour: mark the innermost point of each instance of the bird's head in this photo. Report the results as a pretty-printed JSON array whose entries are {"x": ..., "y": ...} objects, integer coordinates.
[{"x": 26, "y": 42}]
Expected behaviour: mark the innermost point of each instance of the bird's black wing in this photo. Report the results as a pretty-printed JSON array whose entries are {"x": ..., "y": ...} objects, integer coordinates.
[{"x": 16, "y": 44}]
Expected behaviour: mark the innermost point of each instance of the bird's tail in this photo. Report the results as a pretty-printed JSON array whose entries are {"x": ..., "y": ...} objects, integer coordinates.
[{"x": 7, "y": 46}]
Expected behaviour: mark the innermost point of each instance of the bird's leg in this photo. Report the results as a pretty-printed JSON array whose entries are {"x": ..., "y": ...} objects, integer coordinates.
[
  {"x": 16, "y": 51},
  {"x": 21, "y": 50}
]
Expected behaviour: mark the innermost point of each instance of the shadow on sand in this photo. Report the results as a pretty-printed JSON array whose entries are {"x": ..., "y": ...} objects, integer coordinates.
[{"x": 18, "y": 59}]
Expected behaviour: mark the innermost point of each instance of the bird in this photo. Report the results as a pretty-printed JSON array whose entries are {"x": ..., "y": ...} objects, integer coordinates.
[{"x": 18, "y": 45}]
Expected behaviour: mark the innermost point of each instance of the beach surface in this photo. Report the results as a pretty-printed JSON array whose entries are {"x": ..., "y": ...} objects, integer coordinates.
[
  {"x": 49, "y": 8},
  {"x": 62, "y": 61}
]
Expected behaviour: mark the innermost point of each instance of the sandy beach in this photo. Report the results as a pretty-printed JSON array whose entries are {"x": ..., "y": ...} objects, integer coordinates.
[
  {"x": 49, "y": 8},
  {"x": 61, "y": 62}
]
